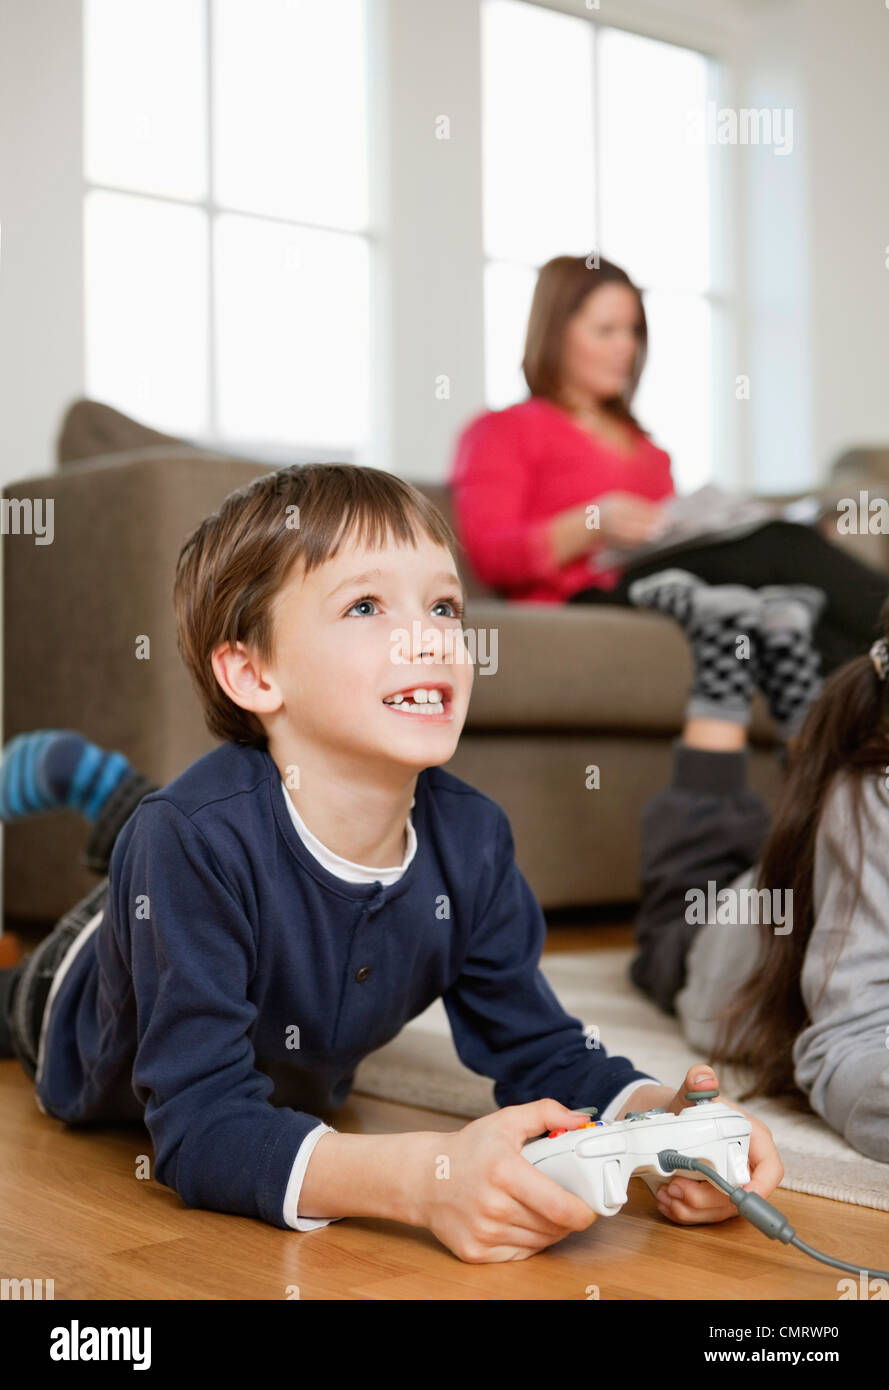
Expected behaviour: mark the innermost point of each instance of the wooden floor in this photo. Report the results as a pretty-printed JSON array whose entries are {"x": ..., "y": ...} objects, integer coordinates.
[{"x": 72, "y": 1210}]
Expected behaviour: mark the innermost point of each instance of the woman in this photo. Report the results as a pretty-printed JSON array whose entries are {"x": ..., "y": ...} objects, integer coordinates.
[{"x": 523, "y": 478}]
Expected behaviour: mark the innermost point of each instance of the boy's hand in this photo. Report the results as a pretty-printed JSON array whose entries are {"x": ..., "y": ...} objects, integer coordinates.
[
  {"x": 688, "y": 1200},
  {"x": 487, "y": 1203}
]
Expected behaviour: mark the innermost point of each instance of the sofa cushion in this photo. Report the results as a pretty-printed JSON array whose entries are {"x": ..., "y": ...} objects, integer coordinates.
[
  {"x": 91, "y": 428},
  {"x": 596, "y": 667}
]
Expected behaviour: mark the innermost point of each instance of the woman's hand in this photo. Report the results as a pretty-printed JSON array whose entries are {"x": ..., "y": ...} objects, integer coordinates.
[
  {"x": 623, "y": 520},
  {"x": 626, "y": 520}
]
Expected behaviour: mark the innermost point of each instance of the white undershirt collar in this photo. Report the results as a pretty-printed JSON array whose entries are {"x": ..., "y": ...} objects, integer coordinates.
[{"x": 346, "y": 868}]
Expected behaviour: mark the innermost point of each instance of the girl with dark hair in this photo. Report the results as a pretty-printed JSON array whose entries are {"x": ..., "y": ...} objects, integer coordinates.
[
  {"x": 771, "y": 943},
  {"x": 524, "y": 478}
]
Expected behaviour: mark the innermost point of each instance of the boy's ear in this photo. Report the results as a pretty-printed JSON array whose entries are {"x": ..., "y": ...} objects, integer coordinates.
[{"x": 245, "y": 680}]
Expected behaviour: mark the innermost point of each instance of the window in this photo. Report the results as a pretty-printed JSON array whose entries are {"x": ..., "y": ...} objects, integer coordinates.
[
  {"x": 227, "y": 251},
  {"x": 587, "y": 147}
]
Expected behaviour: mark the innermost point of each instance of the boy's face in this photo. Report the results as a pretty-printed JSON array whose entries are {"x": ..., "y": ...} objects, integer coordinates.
[{"x": 360, "y": 629}]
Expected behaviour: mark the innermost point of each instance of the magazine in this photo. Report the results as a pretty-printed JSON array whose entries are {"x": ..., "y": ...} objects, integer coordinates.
[{"x": 706, "y": 515}]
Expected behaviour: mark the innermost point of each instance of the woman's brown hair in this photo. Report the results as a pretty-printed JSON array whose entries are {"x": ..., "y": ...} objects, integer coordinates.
[
  {"x": 562, "y": 286},
  {"x": 845, "y": 734},
  {"x": 231, "y": 568}
]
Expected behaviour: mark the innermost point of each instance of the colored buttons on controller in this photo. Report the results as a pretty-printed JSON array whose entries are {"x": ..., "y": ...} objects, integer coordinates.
[{"x": 590, "y": 1124}]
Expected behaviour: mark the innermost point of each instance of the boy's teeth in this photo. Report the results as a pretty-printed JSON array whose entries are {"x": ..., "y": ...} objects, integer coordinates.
[{"x": 417, "y": 698}]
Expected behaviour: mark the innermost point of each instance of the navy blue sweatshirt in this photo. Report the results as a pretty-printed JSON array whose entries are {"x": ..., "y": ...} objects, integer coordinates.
[{"x": 234, "y": 983}]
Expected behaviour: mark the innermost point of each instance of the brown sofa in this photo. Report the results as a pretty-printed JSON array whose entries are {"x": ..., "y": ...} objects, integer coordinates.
[{"x": 574, "y": 686}]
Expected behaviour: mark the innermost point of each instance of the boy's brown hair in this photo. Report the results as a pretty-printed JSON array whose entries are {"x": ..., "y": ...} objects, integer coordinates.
[{"x": 234, "y": 564}]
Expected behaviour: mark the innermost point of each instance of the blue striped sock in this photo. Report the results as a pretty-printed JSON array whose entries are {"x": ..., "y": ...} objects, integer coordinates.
[{"x": 54, "y": 768}]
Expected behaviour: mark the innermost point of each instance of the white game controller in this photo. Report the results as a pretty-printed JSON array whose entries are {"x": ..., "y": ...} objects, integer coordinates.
[{"x": 596, "y": 1161}]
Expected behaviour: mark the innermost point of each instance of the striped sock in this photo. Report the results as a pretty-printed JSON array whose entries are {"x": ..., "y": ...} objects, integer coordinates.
[{"x": 50, "y": 769}]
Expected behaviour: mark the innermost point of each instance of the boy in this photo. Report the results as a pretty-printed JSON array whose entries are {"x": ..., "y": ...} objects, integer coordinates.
[{"x": 285, "y": 905}]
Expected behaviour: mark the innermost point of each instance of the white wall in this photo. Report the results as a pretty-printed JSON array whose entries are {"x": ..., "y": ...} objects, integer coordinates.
[
  {"x": 434, "y": 257},
  {"x": 41, "y": 315},
  {"x": 817, "y": 232},
  {"x": 846, "y": 55},
  {"x": 776, "y": 259}
]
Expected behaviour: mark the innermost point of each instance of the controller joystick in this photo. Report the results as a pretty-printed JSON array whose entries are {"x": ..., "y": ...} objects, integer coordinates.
[{"x": 597, "y": 1160}]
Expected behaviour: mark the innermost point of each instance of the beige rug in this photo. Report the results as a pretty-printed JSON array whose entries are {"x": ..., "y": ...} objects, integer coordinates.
[{"x": 421, "y": 1067}]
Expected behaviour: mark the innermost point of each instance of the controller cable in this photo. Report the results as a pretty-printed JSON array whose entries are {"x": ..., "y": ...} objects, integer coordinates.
[{"x": 758, "y": 1211}]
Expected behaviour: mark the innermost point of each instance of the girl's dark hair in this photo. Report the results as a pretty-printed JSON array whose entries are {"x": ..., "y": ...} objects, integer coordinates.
[
  {"x": 845, "y": 736},
  {"x": 562, "y": 286}
]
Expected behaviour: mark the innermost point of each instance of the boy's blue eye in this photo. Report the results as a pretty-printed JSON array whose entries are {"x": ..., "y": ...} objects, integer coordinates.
[
  {"x": 358, "y": 603},
  {"x": 454, "y": 604}
]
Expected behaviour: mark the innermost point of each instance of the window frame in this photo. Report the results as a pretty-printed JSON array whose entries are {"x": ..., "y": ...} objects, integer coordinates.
[
  {"x": 211, "y": 437},
  {"x": 727, "y": 428}
]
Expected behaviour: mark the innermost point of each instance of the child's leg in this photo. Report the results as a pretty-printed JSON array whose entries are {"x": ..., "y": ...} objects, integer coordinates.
[
  {"x": 42, "y": 771},
  {"x": 51, "y": 769},
  {"x": 24, "y": 988},
  {"x": 112, "y": 818},
  {"x": 707, "y": 826},
  {"x": 8, "y": 978},
  {"x": 48, "y": 769},
  {"x": 788, "y": 665}
]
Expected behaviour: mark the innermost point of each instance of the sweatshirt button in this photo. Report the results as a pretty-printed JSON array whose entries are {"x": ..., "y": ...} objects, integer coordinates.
[{"x": 362, "y": 974}]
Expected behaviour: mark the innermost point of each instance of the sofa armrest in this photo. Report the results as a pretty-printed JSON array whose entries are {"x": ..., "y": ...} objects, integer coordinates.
[
  {"x": 74, "y": 612},
  {"x": 856, "y": 513},
  {"x": 75, "y": 608}
]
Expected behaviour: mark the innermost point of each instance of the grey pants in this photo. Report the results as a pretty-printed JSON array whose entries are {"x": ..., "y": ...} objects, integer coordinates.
[
  {"x": 707, "y": 825},
  {"x": 25, "y": 988}
]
